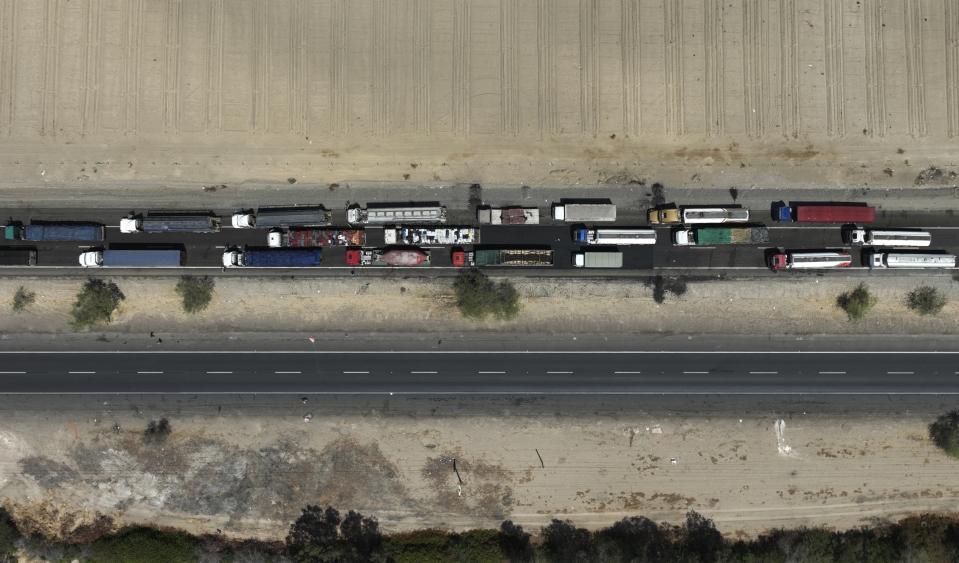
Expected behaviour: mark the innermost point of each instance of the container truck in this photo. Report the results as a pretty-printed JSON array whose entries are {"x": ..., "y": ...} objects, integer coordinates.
[
  {"x": 888, "y": 237},
  {"x": 824, "y": 212},
  {"x": 396, "y": 214},
  {"x": 703, "y": 236},
  {"x": 272, "y": 258},
  {"x": 147, "y": 258},
  {"x": 387, "y": 257},
  {"x": 163, "y": 223},
  {"x": 702, "y": 215},
  {"x": 809, "y": 259},
  {"x": 502, "y": 257},
  {"x": 311, "y": 238},
  {"x": 598, "y": 259},
  {"x": 584, "y": 212},
  {"x": 50, "y": 232},
  {"x": 18, "y": 256},
  {"x": 614, "y": 236},
  {"x": 283, "y": 217},
  {"x": 431, "y": 236},
  {"x": 508, "y": 215},
  {"x": 908, "y": 260}
]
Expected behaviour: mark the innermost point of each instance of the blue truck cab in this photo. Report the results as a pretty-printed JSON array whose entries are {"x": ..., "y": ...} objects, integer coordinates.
[{"x": 782, "y": 212}]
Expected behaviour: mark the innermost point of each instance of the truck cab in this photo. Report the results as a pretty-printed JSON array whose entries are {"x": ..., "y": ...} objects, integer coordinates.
[
  {"x": 243, "y": 220},
  {"x": 459, "y": 258},
  {"x": 232, "y": 258},
  {"x": 779, "y": 261},
  {"x": 91, "y": 259},
  {"x": 854, "y": 234},
  {"x": 782, "y": 212},
  {"x": 130, "y": 225},
  {"x": 684, "y": 237}
]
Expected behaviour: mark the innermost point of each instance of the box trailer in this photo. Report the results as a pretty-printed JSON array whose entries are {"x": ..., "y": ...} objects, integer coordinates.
[
  {"x": 598, "y": 259},
  {"x": 584, "y": 212},
  {"x": 172, "y": 223},
  {"x": 283, "y": 217},
  {"x": 273, "y": 258},
  {"x": 614, "y": 236},
  {"x": 146, "y": 258}
]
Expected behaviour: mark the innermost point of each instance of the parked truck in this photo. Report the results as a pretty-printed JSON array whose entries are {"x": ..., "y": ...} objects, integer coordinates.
[
  {"x": 887, "y": 237},
  {"x": 381, "y": 215},
  {"x": 54, "y": 232},
  {"x": 508, "y": 215},
  {"x": 312, "y": 238},
  {"x": 401, "y": 257},
  {"x": 283, "y": 217},
  {"x": 899, "y": 259},
  {"x": 584, "y": 212},
  {"x": 146, "y": 258},
  {"x": 706, "y": 215},
  {"x": 18, "y": 256},
  {"x": 531, "y": 257},
  {"x": 273, "y": 258},
  {"x": 431, "y": 236},
  {"x": 598, "y": 259},
  {"x": 809, "y": 259},
  {"x": 666, "y": 214},
  {"x": 170, "y": 223},
  {"x": 708, "y": 236},
  {"x": 824, "y": 212},
  {"x": 614, "y": 236}
]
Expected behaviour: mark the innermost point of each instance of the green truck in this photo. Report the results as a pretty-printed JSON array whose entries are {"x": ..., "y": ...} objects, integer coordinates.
[{"x": 710, "y": 236}]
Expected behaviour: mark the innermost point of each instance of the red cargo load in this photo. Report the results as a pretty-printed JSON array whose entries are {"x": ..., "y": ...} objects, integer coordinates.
[
  {"x": 353, "y": 256},
  {"x": 309, "y": 238},
  {"x": 835, "y": 214}
]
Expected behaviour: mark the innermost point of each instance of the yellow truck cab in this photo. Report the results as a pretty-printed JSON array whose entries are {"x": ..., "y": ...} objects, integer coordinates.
[{"x": 664, "y": 215}]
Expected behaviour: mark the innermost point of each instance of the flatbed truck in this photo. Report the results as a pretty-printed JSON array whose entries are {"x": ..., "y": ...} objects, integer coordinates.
[
  {"x": 397, "y": 257},
  {"x": 483, "y": 257},
  {"x": 313, "y": 238},
  {"x": 709, "y": 236}
]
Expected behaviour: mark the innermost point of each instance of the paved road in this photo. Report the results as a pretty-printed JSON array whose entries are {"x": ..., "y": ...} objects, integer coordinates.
[
  {"x": 482, "y": 373},
  {"x": 205, "y": 250}
]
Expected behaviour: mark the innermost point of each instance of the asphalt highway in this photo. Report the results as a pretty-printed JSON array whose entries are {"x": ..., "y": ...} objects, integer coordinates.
[
  {"x": 550, "y": 373},
  {"x": 205, "y": 250}
]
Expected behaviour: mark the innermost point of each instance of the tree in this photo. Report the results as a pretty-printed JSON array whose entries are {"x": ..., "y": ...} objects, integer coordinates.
[
  {"x": 856, "y": 303},
  {"x": 926, "y": 300},
  {"x": 9, "y": 534},
  {"x": 96, "y": 302},
  {"x": 514, "y": 542},
  {"x": 144, "y": 545},
  {"x": 565, "y": 543},
  {"x": 701, "y": 541},
  {"x": 639, "y": 540},
  {"x": 320, "y": 536},
  {"x": 944, "y": 433},
  {"x": 22, "y": 299},
  {"x": 477, "y": 296},
  {"x": 157, "y": 431},
  {"x": 195, "y": 292}
]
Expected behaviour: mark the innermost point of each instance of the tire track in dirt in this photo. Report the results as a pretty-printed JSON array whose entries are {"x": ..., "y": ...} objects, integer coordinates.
[
  {"x": 589, "y": 66},
  {"x": 380, "y": 31},
  {"x": 632, "y": 109},
  {"x": 51, "y": 60},
  {"x": 715, "y": 69},
  {"x": 91, "y": 59},
  {"x": 875, "y": 70},
  {"x": 915, "y": 77},
  {"x": 8, "y": 57},
  {"x": 134, "y": 48},
  {"x": 673, "y": 36},
  {"x": 422, "y": 70},
  {"x": 835, "y": 112},
  {"x": 260, "y": 67},
  {"x": 546, "y": 64},
  {"x": 789, "y": 68},
  {"x": 461, "y": 68},
  {"x": 294, "y": 94},
  {"x": 755, "y": 67},
  {"x": 952, "y": 68},
  {"x": 171, "y": 97},
  {"x": 214, "y": 63},
  {"x": 339, "y": 79},
  {"x": 509, "y": 108}
]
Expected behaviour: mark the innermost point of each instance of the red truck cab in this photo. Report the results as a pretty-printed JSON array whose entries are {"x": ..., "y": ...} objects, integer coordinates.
[{"x": 353, "y": 256}]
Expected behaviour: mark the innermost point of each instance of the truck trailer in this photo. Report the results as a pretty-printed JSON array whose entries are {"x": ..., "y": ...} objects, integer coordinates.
[
  {"x": 399, "y": 257},
  {"x": 18, "y": 256},
  {"x": 55, "y": 232},
  {"x": 707, "y": 236},
  {"x": 173, "y": 223},
  {"x": 598, "y": 259},
  {"x": 507, "y": 215},
  {"x": 273, "y": 258},
  {"x": 146, "y": 258},
  {"x": 887, "y": 237},
  {"x": 312, "y": 238},
  {"x": 283, "y": 217},
  {"x": 584, "y": 212},
  {"x": 809, "y": 259},
  {"x": 412, "y": 213},
  {"x": 706, "y": 215},
  {"x": 482, "y": 257},
  {"x": 824, "y": 212},
  {"x": 894, "y": 259},
  {"x": 614, "y": 236},
  {"x": 431, "y": 236}
]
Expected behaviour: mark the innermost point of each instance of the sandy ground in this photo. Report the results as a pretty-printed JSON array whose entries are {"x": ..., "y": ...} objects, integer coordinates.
[
  {"x": 423, "y": 92},
  {"x": 781, "y": 305},
  {"x": 246, "y": 466}
]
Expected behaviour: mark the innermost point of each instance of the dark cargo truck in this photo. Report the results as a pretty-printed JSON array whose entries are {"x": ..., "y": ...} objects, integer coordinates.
[
  {"x": 18, "y": 256},
  {"x": 273, "y": 258},
  {"x": 55, "y": 232},
  {"x": 283, "y": 217},
  {"x": 502, "y": 257},
  {"x": 140, "y": 258},
  {"x": 163, "y": 223}
]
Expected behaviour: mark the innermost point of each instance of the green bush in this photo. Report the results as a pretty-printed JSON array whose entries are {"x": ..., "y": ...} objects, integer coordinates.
[
  {"x": 9, "y": 534},
  {"x": 478, "y": 297},
  {"x": 144, "y": 545},
  {"x": 95, "y": 303},
  {"x": 926, "y": 300},
  {"x": 856, "y": 303},
  {"x": 22, "y": 299},
  {"x": 944, "y": 432},
  {"x": 195, "y": 292}
]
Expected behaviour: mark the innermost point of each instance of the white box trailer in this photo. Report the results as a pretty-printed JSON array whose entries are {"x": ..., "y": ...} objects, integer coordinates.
[
  {"x": 909, "y": 260},
  {"x": 707, "y": 215},
  {"x": 889, "y": 237},
  {"x": 613, "y": 236},
  {"x": 584, "y": 212},
  {"x": 396, "y": 214},
  {"x": 598, "y": 259}
]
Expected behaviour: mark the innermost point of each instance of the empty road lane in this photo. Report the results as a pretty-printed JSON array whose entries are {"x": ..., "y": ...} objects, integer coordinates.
[{"x": 481, "y": 372}]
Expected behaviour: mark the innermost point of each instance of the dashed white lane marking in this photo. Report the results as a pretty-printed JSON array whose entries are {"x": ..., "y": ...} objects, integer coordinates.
[
  {"x": 491, "y": 372},
  {"x": 627, "y": 372},
  {"x": 150, "y": 372},
  {"x": 81, "y": 372},
  {"x": 355, "y": 372},
  {"x": 832, "y": 373},
  {"x": 559, "y": 372},
  {"x": 287, "y": 372},
  {"x": 12, "y": 372},
  {"x": 219, "y": 372},
  {"x": 695, "y": 372},
  {"x": 423, "y": 372},
  {"x": 763, "y": 373},
  {"x": 900, "y": 372}
]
